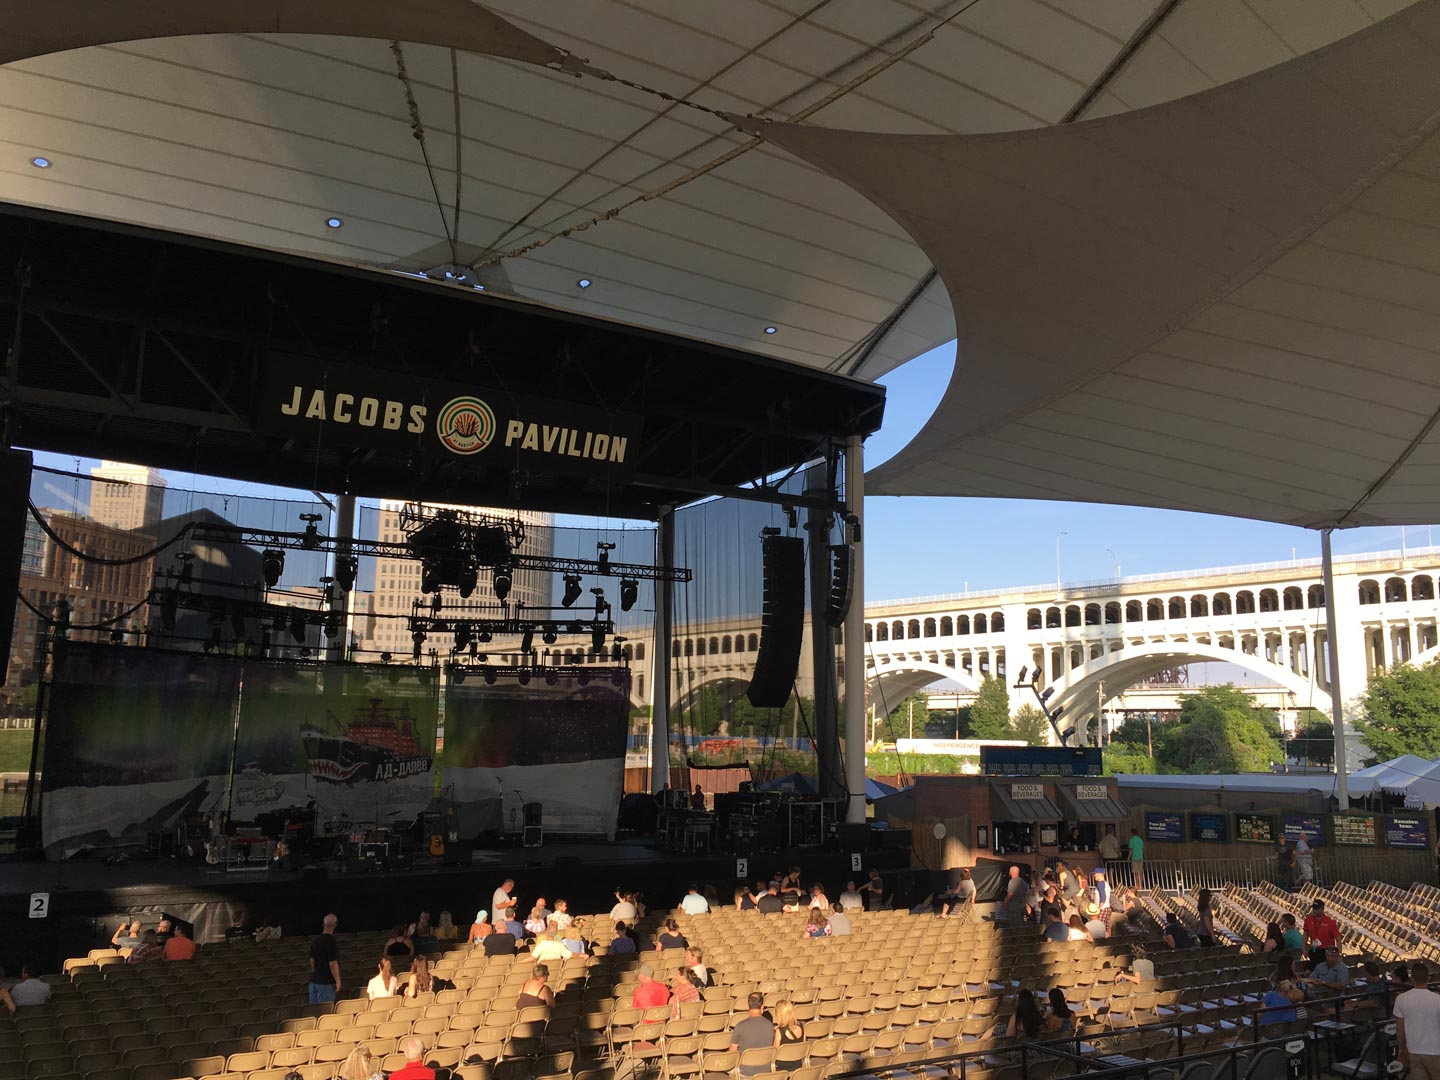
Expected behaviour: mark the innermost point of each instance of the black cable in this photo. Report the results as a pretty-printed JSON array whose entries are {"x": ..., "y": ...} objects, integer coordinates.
[
  {"x": 100, "y": 560},
  {"x": 84, "y": 626}
]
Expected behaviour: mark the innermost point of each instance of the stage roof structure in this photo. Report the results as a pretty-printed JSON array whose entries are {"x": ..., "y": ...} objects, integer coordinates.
[{"x": 259, "y": 123}]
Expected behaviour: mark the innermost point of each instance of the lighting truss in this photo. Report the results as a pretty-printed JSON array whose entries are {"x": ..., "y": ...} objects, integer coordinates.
[{"x": 492, "y": 673}]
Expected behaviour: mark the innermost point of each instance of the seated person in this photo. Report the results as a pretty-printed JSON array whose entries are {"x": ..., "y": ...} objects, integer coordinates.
[
  {"x": 1141, "y": 969},
  {"x": 670, "y": 937},
  {"x": 850, "y": 899},
  {"x": 127, "y": 935},
  {"x": 28, "y": 991},
  {"x": 960, "y": 898},
  {"x": 423, "y": 981},
  {"x": 840, "y": 924},
  {"x": 624, "y": 910},
  {"x": 535, "y": 922},
  {"x": 693, "y": 903},
  {"x": 561, "y": 916},
  {"x": 500, "y": 942},
  {"x": 623, "y": 942},
  {"x": 1327, "y": 978},
  {"x": 385, "y": 984},
  {"x": 515, "y": 927},
  {"x": 695, "y": 961},
  {"x": 549, "y": 948},
  {"x": 1176, "y": 936},
  {"x": 480, "y": 929},
  {"x": 1278, "y": 1006},
  {"x": 753, "y": 1032},
  {"x": 570, "y": 937},
  {"x": 536, "y": 989},
  {"x": 770, "y": 903},
  {"x": 149, "y": 949},
  {"x": 179, "y": 947},
  {"x": 817, "y": 926}
]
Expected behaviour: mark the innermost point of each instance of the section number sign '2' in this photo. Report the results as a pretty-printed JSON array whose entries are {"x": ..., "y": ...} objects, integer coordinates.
[{"x": 343, "y": 405}]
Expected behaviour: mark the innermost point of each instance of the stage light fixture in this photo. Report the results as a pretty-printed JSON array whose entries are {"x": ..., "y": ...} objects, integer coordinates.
[
  {"x": 604, "y": 548},
  {"x": 489, "y": 676},
  {"x": 346, "y": 569},
  {"x": 1020, "y": 679},
  {"x": 457, "y": 675},
  {"x": 629, "y": 593},
  {"x": 297, "y": 626},
  {"x": 1057, "y": 713},
  {"x": 116, "y": 637},
  {"x": 480, "y": 656},
  {"x": 311, "y": 538},
  {"x": 1047, "y": 695},
  {"x": 305, "y": 652},
  {"x": 524, "y": 678},
  {"x": 527, "y": 641},
  {"x": 272, "y": 564},
  {"x": 213, "y": 642},
  {"x": 237, "y": 624},
  {"x": 418, "y": 637},
  {"x": 617, "y": 654},
  {"x": 548, "y": 636},
  {"x": 187, "y": 567},
  {"x": 169, "y": 604},
  {"x": 597, "y": 639},
  {"x": 386, "y": 657},
  {"x": 583, "y": 678},
  {"x": 462, "y": 636},
  {"x": 1035, "y": 679},
  {"x": 332, "y": 625},
  {"x": 572, "y": 590},
  {"x": 501, "y": 584},
  {"x": 485, "y": 639},
  {"x": 466, "y": 584},
  {"x": 551, "y": 678}
]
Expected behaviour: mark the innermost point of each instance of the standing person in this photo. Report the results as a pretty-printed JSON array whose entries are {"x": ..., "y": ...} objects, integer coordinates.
[
  {"x": 850, "y": 899},
  {"x": 324, "y": 964},
  {"x": 1016, "y": 897},
  {"x": 1304, "y": 860},
  {"x": 1136, "y": 848},
  {"x": 697, "y": 799},
  {"x": 1286, "y": 864},
  {"x": 1321, "y": 932},
  {"x": 1292, "y": 940},
  {"x": 1417, "y": 1025},
  {"x": 1110, "y": 845},
  {"x": 874, "y": 891},
  {"x": 1205, "y": 932},
  {"x": 502, "y": 903}
]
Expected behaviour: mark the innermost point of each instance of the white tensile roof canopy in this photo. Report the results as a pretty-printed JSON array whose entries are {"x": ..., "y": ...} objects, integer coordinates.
[{"x": 1218, "y": 302}]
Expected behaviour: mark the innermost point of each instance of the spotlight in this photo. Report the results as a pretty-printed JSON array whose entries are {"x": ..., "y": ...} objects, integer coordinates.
[
  {"x": 583, "y": 678},
  {"x": 480, "y": 656},
  {"x": 462, "y": 636},
  {"x": 386, "y": 657},
  {"x": 548, "y": 636},
  {"x": 1020, "y": 679},
  {"x": 297, "y": 626},
  {"x": 501, "y": 584},
  {"x": 116, "y": 637},
  {"x": 40, "y": 162},
  {"x": 467, "y": 582},
  {"x": 187, "y": 567},
  {"x": 418, "y": 637},
  {"x": 485, "y": 639},
  {"x": 1035, "y": 679},
  {"x": 629, "y": 593},
  {"x": 334, "y": 222},
  {"x": 597, "y": 639},
  {"x": 527, "y": 640},
  {"x": 346, "y": 568},
  {"x": 272, "y": 563},
  {"x": 474, "y": 648},
  {"x": 572, "y": 590},
  {"x": 769, "y": 329},
  {"x": 311, "y": 539},
  {"x": 584, "y": 283},
  {"x": 457, "y": 674},
  {"x": 1047, "y": 695},
  {"x": 617, "y": 654},
  {"x": 1057, "y": 713},
  {"x": 489, "y": 676},
  {"x": 305, "y": 652},
  {"x": 332, "y": 625},
  {"x": 551, "y": 678},
  {"x": 213, "y": 642},
  {"x": 524, "y": 678},
  {"x": 604, "y": 557}
]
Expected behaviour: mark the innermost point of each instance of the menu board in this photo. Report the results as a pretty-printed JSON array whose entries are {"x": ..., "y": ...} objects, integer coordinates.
[
  {"x": 1293, "y": 826},
  {"x": 1407, "y": 832},
  {"x": 1255, "y": 829},
  {"x": 1168, "y": 828},
  {"x": 1210, "y": 828},
  {"x": 1353, "y": 830}
]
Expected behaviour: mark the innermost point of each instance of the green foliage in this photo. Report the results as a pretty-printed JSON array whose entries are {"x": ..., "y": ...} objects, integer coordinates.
[
  {"x": 1219, "y": 732},
  {"x": 889, "y": 763},
  {"x": 723, "y": 710},
  {"x": 1314, "y": 740},
  {"x": 1402, "y": 712},
  {"x": 1133, "y": 731},
  {"x": 900, "y": 717},
  {"x": 1029, "y": 723},
  {"x": 15, "y": 750},
  {"x": 990, "y": 714},
  {"x": 1125, "y": 758}
]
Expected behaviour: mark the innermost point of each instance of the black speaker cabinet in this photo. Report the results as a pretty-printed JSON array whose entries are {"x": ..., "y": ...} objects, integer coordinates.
[
  {"x": 894, "y": 839},
  {"x": 782, "y": 622},
  {"x": 532, "y": 814},
  {"x": 534, "y": 835},
  {"x": 852, "y": 835}
]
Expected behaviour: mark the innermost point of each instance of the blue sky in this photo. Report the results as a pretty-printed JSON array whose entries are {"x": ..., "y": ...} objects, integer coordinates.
[
  {"x": 925, "y": 546},
  {"x": 921, "y": 547}
]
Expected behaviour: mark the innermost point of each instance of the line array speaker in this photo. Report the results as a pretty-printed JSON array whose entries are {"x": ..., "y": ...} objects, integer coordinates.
[
  {"x": 842, "y": 584},
  {"x": 14, "y": 502},
  {"x": 782, "y": 623}
]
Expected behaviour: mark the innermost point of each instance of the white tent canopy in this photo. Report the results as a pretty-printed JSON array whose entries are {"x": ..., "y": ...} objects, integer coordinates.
[{"x": 1417, "y": 778}]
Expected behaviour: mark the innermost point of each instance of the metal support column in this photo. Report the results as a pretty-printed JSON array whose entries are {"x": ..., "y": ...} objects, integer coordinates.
[
  {"x": 660, "y": 676},
  {"x": 1332, "y": 661},
  {"x": 822, "y": 638},
  {"x": 339, "y": 648},
  {"x": 855, "y": 634}
]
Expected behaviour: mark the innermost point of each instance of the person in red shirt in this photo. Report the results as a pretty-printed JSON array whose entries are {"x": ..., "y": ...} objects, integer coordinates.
[
  {"x": 649, "y": 993},
  {"x": 179, "y": 947},
  {"x": 414, "y": 1068},
  {"x": 1321, "y": 932}
]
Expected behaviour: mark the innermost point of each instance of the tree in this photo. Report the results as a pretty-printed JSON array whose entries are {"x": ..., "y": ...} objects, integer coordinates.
[
  {"x": 1219, "y": 732},
  {"x": 899, "y": 718},
  {"x": 1029, "y": 723},
  {"x": 1314, "y": 741},
  {"x": 1124, "y": 758},
  {"x": 990, "y": 714},
  {"x": 1402, "y": 712}
]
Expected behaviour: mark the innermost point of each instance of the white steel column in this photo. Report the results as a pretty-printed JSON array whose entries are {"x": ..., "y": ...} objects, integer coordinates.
[
  {"x": 855, "y": 635},
  {"x": 1337, "y": 700},
  {"x": 660, "y": 654}
]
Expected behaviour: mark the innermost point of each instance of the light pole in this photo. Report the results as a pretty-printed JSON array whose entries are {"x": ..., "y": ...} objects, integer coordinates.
[
  {"x": 1116, "y": 561},
  {"x": 1058, "y": 590}
]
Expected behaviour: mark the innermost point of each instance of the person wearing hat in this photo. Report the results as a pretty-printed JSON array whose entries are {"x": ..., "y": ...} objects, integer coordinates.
[
  {"x": 1321, "y": 932},
  {"x": 649, "y": 993},
  {"x": 480, "y": 929},
  {"x": 1095, "y": 926}
]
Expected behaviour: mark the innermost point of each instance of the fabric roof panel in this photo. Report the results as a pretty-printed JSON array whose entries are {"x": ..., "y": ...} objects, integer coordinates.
[
  {"x": 1005, "y": 808},
  {"x": 1106, "y": 809}
]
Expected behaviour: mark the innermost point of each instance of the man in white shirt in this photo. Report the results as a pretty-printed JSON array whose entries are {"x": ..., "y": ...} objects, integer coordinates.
[
  {"x": 850, "y": 899},
  {"x": 1417, "y": 1025},
  {"x": 693, "y": 903},
  {"x": 29, "y": 990},
  {"x": 561, "y": 916},
  {"x": 1304, "y": 860},
  {"x": 502, "y": 904}
]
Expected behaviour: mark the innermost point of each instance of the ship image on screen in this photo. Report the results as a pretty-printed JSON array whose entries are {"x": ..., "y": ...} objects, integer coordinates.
[{"x": 378, "y": 741}]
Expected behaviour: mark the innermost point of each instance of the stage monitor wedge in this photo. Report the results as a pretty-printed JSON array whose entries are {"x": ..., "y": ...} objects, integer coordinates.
[
  {"x": 782, "y": 624},
  {"x": 15, "y": 466}
]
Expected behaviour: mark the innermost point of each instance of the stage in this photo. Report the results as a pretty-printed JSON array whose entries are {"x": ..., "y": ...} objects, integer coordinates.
[{"x": 87, "y": 898}]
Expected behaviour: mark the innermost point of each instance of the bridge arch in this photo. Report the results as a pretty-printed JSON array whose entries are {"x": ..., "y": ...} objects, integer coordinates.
[
  {"x": 897, "y": 679},
  {"x": 1125, "y": 667}
]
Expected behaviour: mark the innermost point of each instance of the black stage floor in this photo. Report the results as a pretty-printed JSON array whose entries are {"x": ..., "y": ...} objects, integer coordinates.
[{"x": 86, "y": 899}]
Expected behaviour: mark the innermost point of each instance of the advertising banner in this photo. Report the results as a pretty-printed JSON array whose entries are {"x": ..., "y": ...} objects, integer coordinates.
[
  {"x": 1407, "y": 832},
  {"x": 135, "y": 741},
  {"x": 1294, "y": 826},
  {"x": 561, "y": 745},
  {"x": 357, "y": 741},
  {"x": 1166, "y": 828},
  {"x": 1353, "y": 830},
  {"x": 1255, "y": 829},
  {"x": 343, "y": 404},
  {"x": 1210, "y": 828}
]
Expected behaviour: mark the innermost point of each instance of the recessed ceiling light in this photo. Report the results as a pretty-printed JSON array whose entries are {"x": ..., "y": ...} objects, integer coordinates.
[
  {"x": 334, "y": 222},
  {"x": 40, "y": 162},
  {"x": 769, "y": 329},
  {"x": 584, "y": 283}
]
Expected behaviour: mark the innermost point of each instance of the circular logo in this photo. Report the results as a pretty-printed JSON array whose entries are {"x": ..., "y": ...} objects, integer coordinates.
[{"x": 465, "y": 425}]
